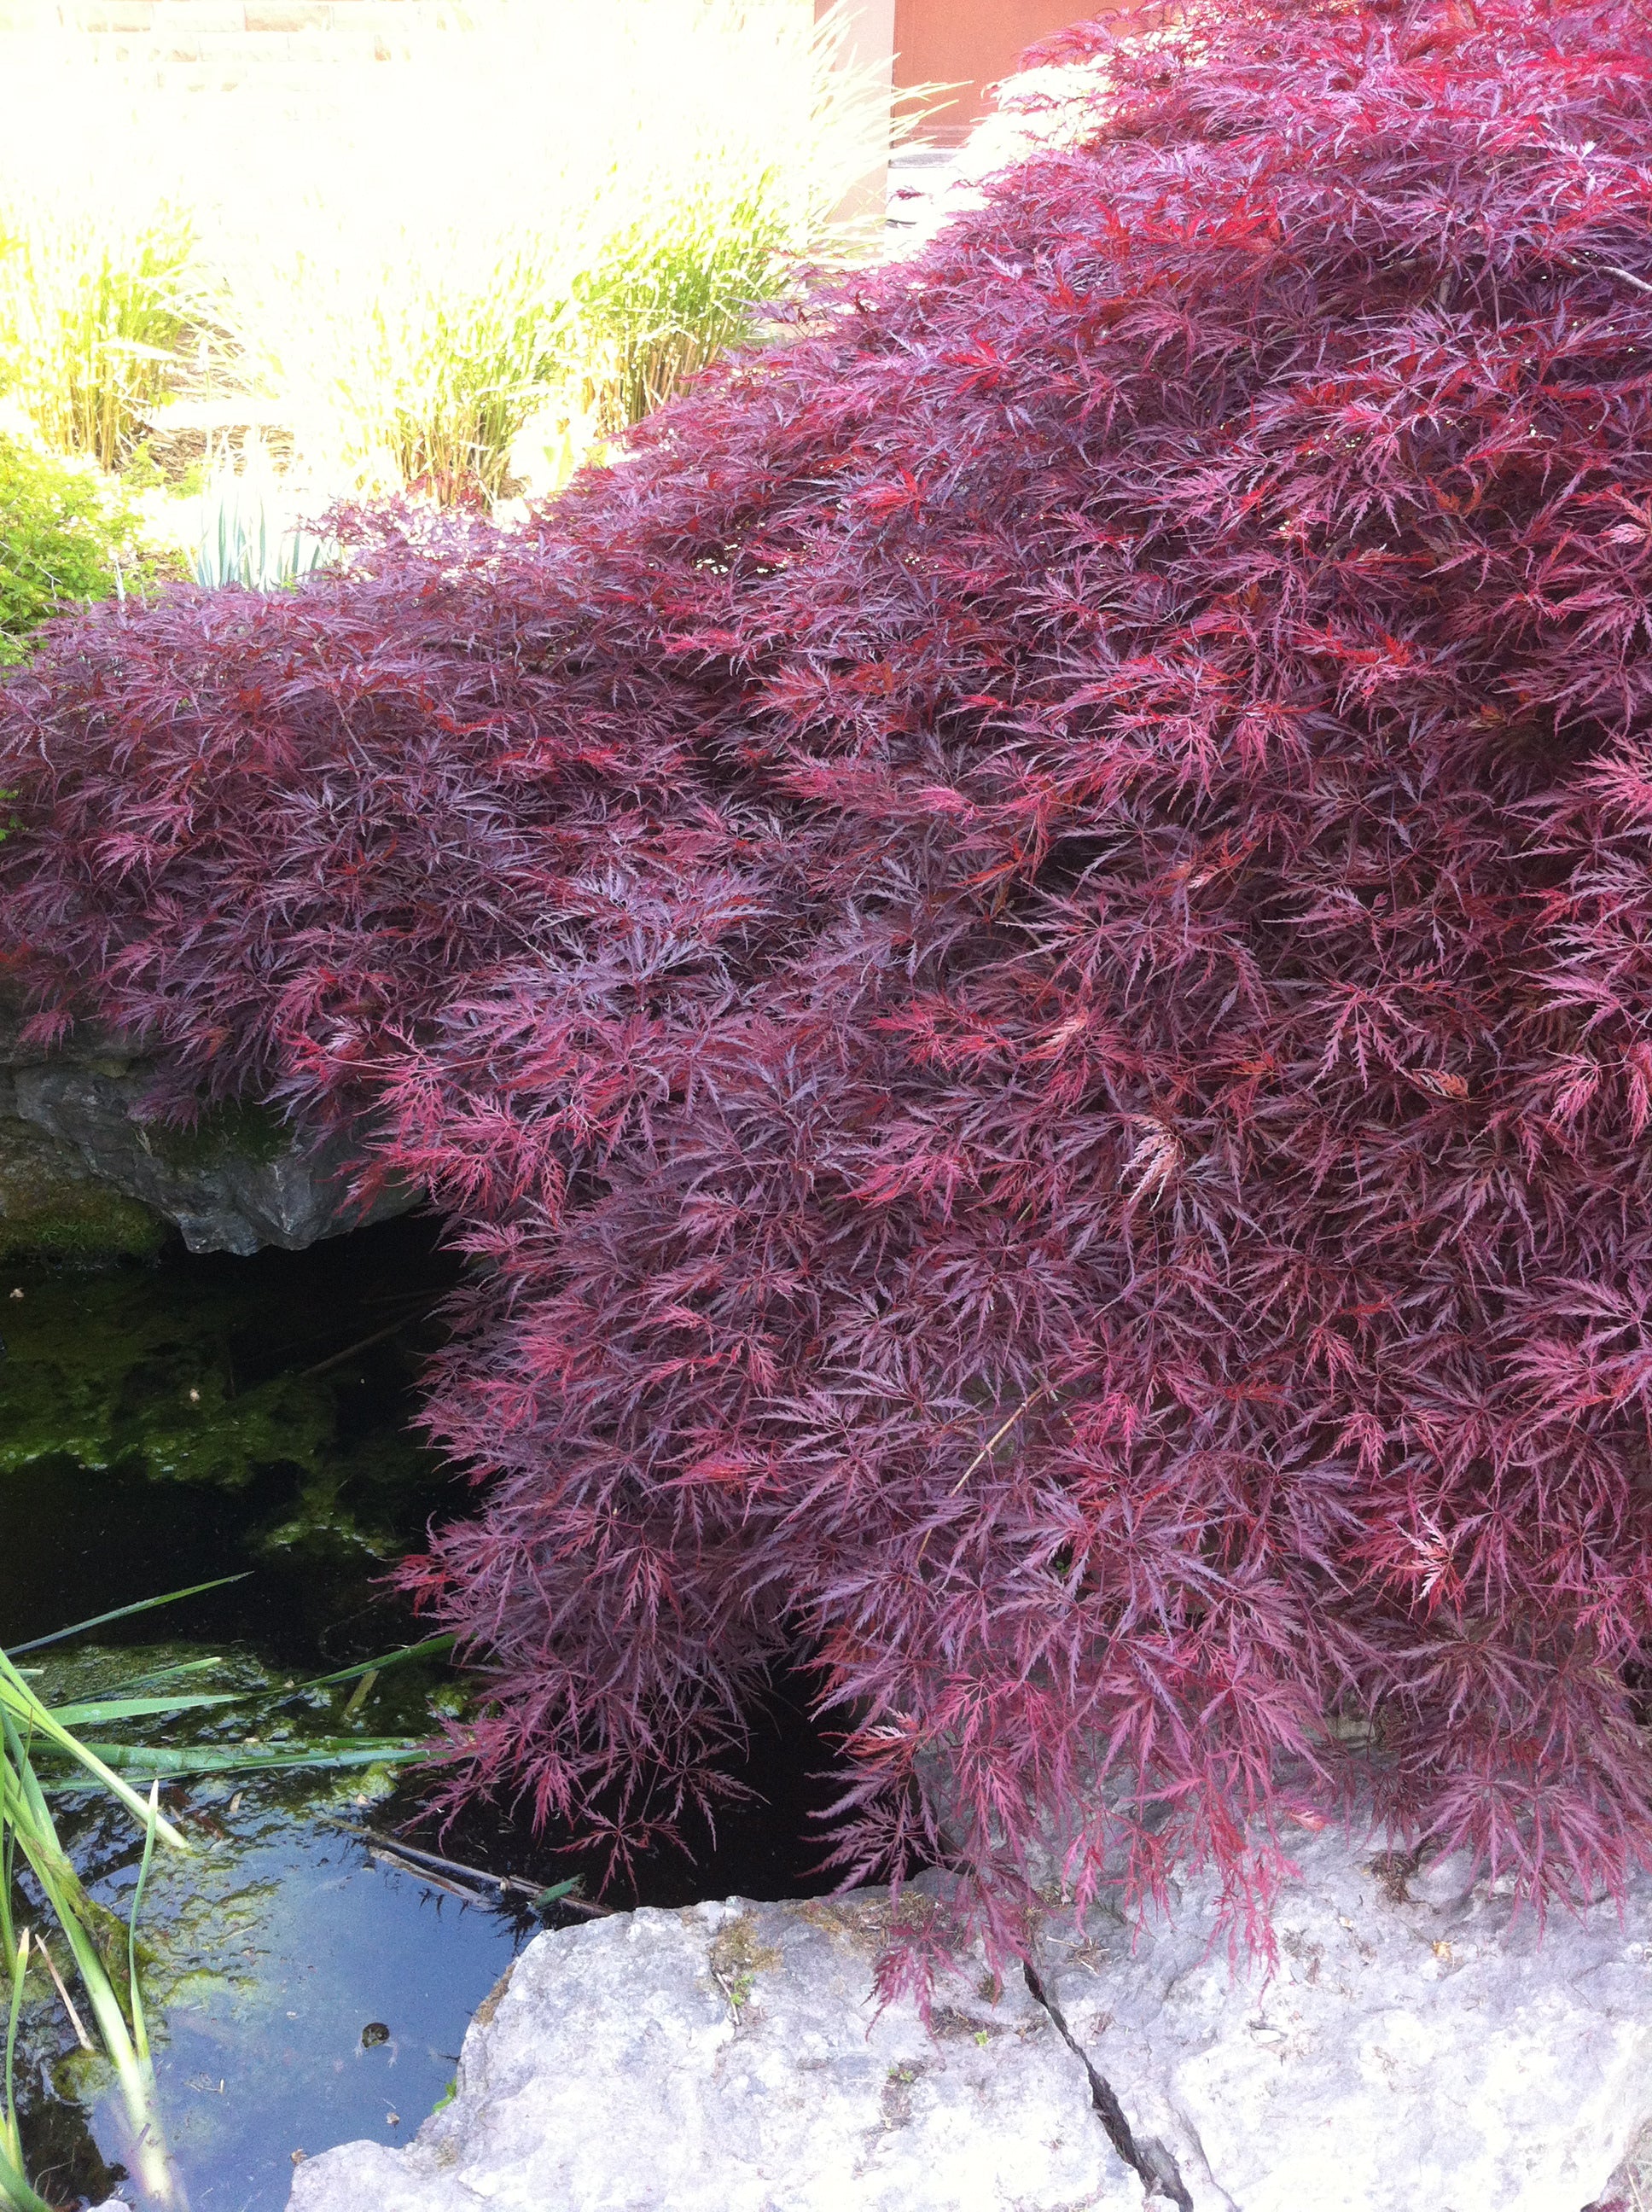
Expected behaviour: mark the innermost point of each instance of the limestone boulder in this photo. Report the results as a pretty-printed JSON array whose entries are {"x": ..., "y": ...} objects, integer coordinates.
[
  {"x": 731, "y": 2058},
  {"x": 1415, "y": 2044}
]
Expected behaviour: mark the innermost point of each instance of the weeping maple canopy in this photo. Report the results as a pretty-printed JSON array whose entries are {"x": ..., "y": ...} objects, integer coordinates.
[{"x": 1022, "y": 950}]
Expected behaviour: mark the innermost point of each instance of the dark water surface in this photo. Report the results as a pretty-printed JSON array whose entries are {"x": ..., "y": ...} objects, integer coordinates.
[{"x": 161, "y": 1425}]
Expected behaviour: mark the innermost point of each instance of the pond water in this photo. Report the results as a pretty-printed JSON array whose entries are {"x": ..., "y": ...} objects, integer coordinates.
[{"x": 159, "y": 1426}]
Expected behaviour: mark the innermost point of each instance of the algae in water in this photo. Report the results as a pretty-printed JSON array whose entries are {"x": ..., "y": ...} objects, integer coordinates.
[{"x": 130, "y": 1366}]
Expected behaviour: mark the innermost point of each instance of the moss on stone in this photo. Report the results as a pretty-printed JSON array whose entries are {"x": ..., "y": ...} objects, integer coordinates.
[
  {"x": 89, "y": 1225},
  {"x": 52, "y": 1207},
  {"x": 323, "y": 1522},
  {"x": 232, "y": 1129}
]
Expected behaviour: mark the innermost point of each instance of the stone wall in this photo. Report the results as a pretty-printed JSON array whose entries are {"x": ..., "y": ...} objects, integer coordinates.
[{"x": 215, "y": 44}]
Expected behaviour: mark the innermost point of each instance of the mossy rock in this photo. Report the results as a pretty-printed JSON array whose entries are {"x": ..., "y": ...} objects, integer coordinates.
[
  {"x": 230, "y": 1130},
  {"x": 52, "y": 1208}
]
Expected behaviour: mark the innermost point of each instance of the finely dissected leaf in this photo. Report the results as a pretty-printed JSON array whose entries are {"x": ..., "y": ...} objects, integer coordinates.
[{"x": 1024, "y": 948}]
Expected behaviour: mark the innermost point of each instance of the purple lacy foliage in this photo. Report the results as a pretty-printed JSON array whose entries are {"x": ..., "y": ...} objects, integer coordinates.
[{"x": 1024, "y": 949}]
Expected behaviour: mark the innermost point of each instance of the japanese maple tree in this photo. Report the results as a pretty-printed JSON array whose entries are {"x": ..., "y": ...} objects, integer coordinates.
[{"x": 1022, "y": 949}]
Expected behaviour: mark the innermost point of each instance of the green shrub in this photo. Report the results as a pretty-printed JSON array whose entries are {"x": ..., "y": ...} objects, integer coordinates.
[{"x": 66, "y": 536}]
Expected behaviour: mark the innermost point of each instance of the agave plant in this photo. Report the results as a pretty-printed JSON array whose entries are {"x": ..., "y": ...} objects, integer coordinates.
[
  {"x": 244, "y": 538},
  {"x": 44, "y": 1749}
]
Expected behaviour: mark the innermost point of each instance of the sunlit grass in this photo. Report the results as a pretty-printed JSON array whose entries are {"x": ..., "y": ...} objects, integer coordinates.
[
  {"x": 96, "y": 308},
  {"x": 469, "y": 265},
  {"x": 29, "y": 1733}
]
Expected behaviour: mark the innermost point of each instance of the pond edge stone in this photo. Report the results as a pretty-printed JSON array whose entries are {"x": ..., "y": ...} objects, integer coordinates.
[{"x": 1412, "y": 2043}]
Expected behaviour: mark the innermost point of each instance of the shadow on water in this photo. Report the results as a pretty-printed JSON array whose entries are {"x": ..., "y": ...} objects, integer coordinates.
[{"x": 162, "y": 1425}]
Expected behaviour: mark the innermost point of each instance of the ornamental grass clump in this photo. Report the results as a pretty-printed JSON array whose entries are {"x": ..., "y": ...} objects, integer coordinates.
[
  {"x": 453, "y": 270},
  {"x": 98, "y": 303},
  {"x": 1025, "y": 946}
]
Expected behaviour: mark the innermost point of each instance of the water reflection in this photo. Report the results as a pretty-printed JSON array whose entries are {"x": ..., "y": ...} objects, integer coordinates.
[
  {"x": 281, "y": 1947},
  {"x": 274, "y": 1949},
  {"x": 301, "y": 1991}
]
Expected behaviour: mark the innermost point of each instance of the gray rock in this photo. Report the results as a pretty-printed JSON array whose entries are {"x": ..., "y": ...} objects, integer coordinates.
[
  {"x": 1630, "y": 2188},
  {"x": 80, "y": 1166},
  {"x": 1413, "y": 2048},
  {"x": 51, "y": 1204},
  {"x": 729, "y": 2058}
]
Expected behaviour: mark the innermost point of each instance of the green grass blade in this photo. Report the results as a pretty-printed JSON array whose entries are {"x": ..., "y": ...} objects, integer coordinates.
[
  {"x": 27, "y": 1817},
  {"x": 136, "y": 2079},
  {"x": 140, "y": 2025},
  {"x": 15, "y": 2191},
  {"x": 432, "y": 1647},
  {"x": 141, "y": 1685},
  {"x": 316, "y": 1753},
  {"x": 7, "y": 1863},
  {"x": 11, "y": 2147},
  {"x": 15, "y": 1695},
  {"x": 98, "y": 1713},
  {"x": 121, "y": 1613}
]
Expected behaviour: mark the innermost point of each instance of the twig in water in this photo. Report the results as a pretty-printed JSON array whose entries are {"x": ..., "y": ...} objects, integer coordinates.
[
  {"x": 381, "y": 1856},
  {"x": 350, "y": 1351},
  {"x": 419, "y": 1860},
  {"x": 80, "y": 2036}
]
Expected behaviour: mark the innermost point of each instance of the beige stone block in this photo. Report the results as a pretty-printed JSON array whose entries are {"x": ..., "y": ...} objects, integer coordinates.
[
  {"x": 107, "y": 16},
  {"x": 189, "y": 18},
  {"x": 289, "y": 16}
]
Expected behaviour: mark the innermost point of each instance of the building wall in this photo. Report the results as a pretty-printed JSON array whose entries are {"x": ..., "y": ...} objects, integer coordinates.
[
  {"x": 973, "y": 43},
  {"x": 218, "y": 42},
  {"x": 969, "y": 42},
  {"x": 868, "y": 32}
]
